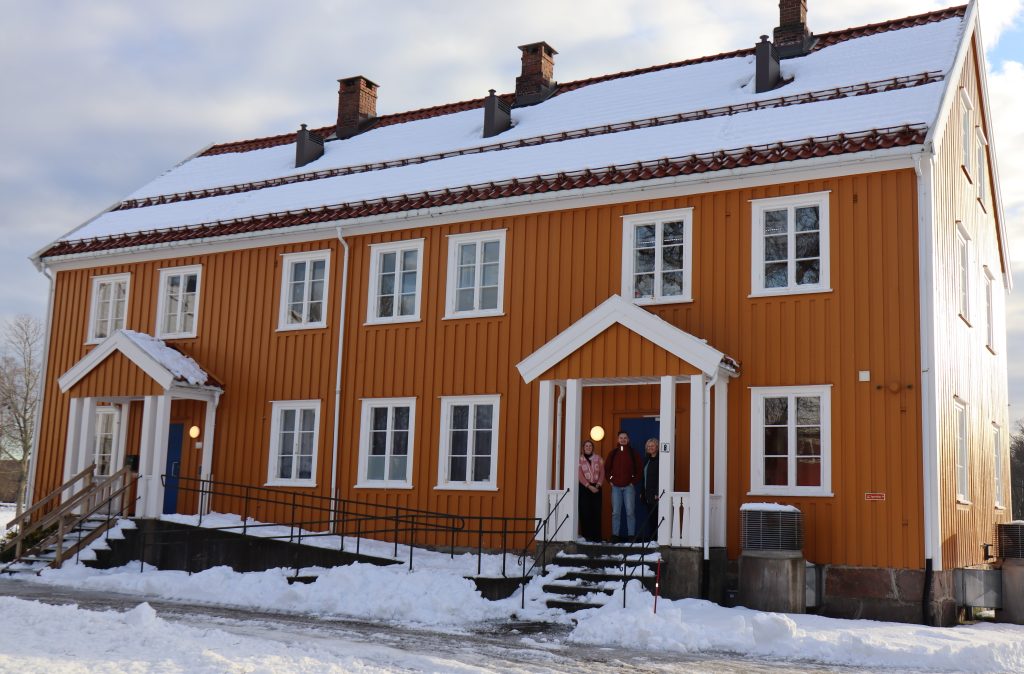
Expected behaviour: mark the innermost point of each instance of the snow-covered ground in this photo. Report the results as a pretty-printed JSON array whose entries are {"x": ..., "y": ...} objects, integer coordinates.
[{"x": 436, "y": 595}]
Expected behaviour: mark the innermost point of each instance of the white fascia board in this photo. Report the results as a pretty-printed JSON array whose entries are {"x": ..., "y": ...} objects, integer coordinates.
[
  {"x": 614, "y": 310},
  {"x": 678, "y": 186},
  {"x": 132, "y": 351}
]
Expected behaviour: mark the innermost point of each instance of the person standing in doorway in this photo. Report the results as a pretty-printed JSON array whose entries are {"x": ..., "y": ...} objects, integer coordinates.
[
  {"x": 623, "y": 471},
  {"x": 649, "y": 493},
  {"x": 591, "y": 476}
]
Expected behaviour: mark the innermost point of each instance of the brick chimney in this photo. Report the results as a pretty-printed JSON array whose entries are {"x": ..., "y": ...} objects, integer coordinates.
[
  {"x": 357, "y": 105},
  {"x": 536, "y": 82},
  {"x": 791, "y": 36}
]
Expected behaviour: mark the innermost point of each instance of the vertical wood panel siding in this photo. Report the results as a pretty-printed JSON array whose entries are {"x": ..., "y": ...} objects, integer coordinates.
[
  {"x": 558, "y": 266},
  {"x": 965, "y": 366}
]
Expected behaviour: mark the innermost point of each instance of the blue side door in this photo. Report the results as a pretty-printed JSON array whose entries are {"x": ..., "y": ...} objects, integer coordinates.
[{"x": 175, "y": 436}]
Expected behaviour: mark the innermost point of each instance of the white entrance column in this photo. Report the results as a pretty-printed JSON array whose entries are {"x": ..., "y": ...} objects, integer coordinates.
[
  {"x": 206, "y": 466},
  {"x": 161, "y": 427},
  {"x": 718, "y": 525},
  {"x": 667, "y": 460},
  {"x": 545, "y": 423},
  {"x": 571, "y": 445},
  {"x": 695, "y": 516},
  {"x": 72, "y": 446},
  {"x": 145, "y": 483},
  {"x": 86, "y": 438}
]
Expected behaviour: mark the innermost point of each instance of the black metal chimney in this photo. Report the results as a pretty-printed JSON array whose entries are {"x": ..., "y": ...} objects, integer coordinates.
[
  {"x": 497, "y": 115},
  {"x": 308, "y": 147},
  {"x": 767, "y": 70}
]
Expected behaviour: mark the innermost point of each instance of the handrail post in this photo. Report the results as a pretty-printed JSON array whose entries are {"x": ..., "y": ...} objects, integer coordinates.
[
  {"x": 395, "y": 555},
  {"x": 479, "y": 544},
  {"x": 504, "y": 545},
  {"x": 245, "y": 511},
  {"x": 291, "y": 525},
  {"x": 59, "y": 558}
]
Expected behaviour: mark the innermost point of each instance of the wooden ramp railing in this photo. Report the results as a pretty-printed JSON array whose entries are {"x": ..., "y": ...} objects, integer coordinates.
[{"x": 99, "y": 502}]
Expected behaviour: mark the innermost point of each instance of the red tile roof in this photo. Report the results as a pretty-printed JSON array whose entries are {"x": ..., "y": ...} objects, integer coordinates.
[
  {"x": 714, "y": 161},
  {"x": 824, "y": 40}
]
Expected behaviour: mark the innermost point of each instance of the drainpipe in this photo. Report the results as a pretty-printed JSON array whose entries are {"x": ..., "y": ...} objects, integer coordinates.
[
  {"x": 558, "y": 433},
  {"x": 337, "y": 378},
  {"x": 705, "y": 482},
  {"x": 42, "y": 385}
]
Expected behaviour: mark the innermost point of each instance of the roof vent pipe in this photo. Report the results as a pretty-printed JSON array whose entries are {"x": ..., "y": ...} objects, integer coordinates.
[
  {"x": 767, "y": 75},
  {"x": 309, "y": 147},
  {"x": 791, "y": 36},
  {"x": 497, "y": 115},
  {"x": 357, "y": 105},
  {"x": 536, "y": 82}
]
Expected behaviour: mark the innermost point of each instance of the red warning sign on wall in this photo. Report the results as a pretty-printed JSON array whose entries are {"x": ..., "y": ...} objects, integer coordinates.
[{"x": 874, "y": 496}]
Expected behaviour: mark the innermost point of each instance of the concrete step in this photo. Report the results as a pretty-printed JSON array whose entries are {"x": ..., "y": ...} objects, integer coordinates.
[
  {"x": 570, "y": 605},
  {"x": 305, "y": 580},
  {"x": 562, "y": 587},
  {"x": 598, "y": 562},
  {"x": 612, "y": 549}
]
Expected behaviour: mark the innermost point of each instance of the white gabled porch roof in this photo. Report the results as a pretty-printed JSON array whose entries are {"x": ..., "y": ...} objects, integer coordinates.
[
  {"x": 163, "y": 364},
  {"x": 614, "y": 310}
]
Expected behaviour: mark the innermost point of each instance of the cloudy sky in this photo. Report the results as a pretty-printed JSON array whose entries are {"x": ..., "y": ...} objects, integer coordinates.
[{"x": 102, "y": 96}]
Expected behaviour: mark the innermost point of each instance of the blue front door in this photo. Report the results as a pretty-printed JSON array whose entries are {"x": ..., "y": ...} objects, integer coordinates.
[
  {"x": 173, "y": 469},
  {"x": 640, "y": 430}
]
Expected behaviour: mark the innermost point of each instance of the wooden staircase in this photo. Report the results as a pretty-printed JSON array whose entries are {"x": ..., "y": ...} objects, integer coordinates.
[
  {"x": 57, "y": 528},
  {"x": 587, "y": 578}
]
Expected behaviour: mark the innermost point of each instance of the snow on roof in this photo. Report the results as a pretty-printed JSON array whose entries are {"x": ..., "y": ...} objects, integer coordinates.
[
  {"x": 905, "y": 53},
  {"x": 177, "y": 363}
]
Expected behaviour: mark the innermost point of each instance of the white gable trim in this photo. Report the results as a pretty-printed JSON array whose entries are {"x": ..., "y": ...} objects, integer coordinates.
[
  {"x": 614, "y": 310},
  {"x": 132, "y": 351}
]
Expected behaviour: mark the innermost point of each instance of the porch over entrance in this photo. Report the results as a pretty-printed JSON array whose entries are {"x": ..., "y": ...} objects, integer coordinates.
[
  {"x": 619, "y": 344},
  {"x": 131, "y": 381}
]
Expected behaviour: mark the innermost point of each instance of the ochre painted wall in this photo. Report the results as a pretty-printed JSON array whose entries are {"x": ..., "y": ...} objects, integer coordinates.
[
  {"x": 558, "y": 266},
  {"x": 966, "y": 367}
]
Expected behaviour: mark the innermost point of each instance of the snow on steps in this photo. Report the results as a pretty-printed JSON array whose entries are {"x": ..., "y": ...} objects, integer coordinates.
[
  {"x": 35, "y": 564},
  {"x": 587, "y": 578}
]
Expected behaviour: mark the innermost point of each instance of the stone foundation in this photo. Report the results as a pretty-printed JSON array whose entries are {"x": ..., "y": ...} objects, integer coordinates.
[{"x": 887, "y": 594}]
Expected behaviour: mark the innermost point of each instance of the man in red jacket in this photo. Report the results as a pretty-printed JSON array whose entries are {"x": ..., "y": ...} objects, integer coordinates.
[{"x": 623, "y": 471}]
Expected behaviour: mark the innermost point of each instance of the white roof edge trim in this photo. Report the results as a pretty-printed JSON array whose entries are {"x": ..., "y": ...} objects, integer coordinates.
[
  {"x": 614, "y": 310},
  {"x": 739, "y": 178},
  {"x": 132, "y": 351},
  {"x": 952, "y": 80}
]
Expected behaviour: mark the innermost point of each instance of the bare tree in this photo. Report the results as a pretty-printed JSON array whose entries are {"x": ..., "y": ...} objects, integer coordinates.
[
  {"x": 1017, "y": 470},
  {"x": 20, "y": 375}
]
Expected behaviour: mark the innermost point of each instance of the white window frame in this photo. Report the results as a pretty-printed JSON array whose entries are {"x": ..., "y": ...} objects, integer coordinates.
[
  {"x": 658, "y": 219},
  {"x": 398, "y": 247},
  {"x": 447, "y": 402},
  {"x": 961, "y": 423},
  {"x": 287, "y": 260},
  {"x": 364, "y": 441},
  {"x": 277, "y": 407},
  {"x": 982, "y": 164},
  {"x": 454, "y": 241},
  {"x": 962, "y": 254},
  {"x": 161, "y": 302},
  {"x": 966, "y": 131},
  {"x": 997, "y": 471},
  {"x": 757, "y": 396},
  {"x": 757, "y": 261},
  {"x": 116, "y": 439},
  {"x": 990, "y": 310},
  {"x": 97, "y": 281}
]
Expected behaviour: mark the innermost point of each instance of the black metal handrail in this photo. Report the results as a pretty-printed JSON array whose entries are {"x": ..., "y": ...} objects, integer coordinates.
[
  {"x": 653, "y": 538},
  {"x": 540, "y": 551}
]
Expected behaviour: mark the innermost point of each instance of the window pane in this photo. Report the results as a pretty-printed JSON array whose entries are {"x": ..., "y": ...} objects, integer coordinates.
[
  {"x": 808, "y": 410},
  {"x": 807, "y": 245},
  {"x": 398, "y": 468},
  {"x": 672, "y": 284},
  {"x": 776, "y": 411},
  {"x": 776, "y": 441},
  {"x": 672, "y": 258},
  {"x": 491, "y": 249},
  {"x": 776, "y": 222},
  {"x": 467, "y": 254},
  {"x": 673, "y": 233},
  {"x": 298, "y": 291},
  {"x": 644, "y": 285},
  {"x": 460, "y": 416},
  {"x": 489, "y": 272},
  {"x": 409, "y": 282},
  {"x": 807, "y": 272},
  {"x": 410, "y": 260},
  {"x": 464, "y": 300},
  {"x": 808, "y": 472},
  {"x": 316, "y": 291},
  {"x": 467, "y": 277},
  {"x": 298, "y": 272},
  {"x": 776, "y": 248},
  {"x": 316, "y": 312},
  {"x": 284, "y": 467},
  {"x": 776, "y": 471},
  {"x": 644, "y": 236},
  {"x": 401, "y": 418},
  {"x": 457, "y": 469},
  {"x": 308, "y": 420},
  {"x": 379, "y": 418},
  {"x": 482, "y": 443},
  {"x": 288, "y": 420},
  {"x": 191, "y": 283},
  {"x": 489, "y": 298},
  {"x": 400, "y": 443},
  {"x": 407, "y": 305},
  {"x": 386, "y": 306},
  {"x": 375, "y": 467},
  {"x": 644, "y": 260},
  {"x": 807, "y": 219},
  {"x": 378, "y": 443},
  {"x": 481, "y": 469},
  {"x": 460, "y": 441},
  {"x": 387, "y": 284},
  {"x": 387, "y": 263},
  {"x": 319, "y": 269},
  {"x": 305, "y": 467},
  {"x": 484, "y": 416},
  {"x": 808, "y": 441}
]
